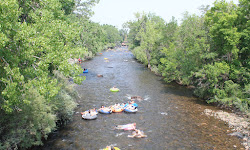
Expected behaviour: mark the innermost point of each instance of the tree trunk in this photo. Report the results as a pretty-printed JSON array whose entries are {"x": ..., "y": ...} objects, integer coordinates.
[{"x": 148, "y": 58}]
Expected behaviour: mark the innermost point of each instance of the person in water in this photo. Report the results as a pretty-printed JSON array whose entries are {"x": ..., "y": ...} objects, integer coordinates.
[
  {"x": 130, "y": 106},
  {"x": 110, "y": 148},
  {"x": 93, "y": 111},
  {"x": 138, "y": 134},
  {"x": 131, "y": 126},
  {"x": 79, "y": 60},
  {"x": 134, "y": 104}
]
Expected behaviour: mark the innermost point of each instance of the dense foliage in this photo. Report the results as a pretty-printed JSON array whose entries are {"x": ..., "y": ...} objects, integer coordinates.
[
  {"x": 113, "y": 37},
  {"x": 209, "y": 52},
  {"x": 38, "y": 38}
]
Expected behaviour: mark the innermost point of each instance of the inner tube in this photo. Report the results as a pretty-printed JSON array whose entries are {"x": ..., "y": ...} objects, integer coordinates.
[
  {"x": 105, "y": 111},
  {"x": 134, "y": 104},
  {"x": 130, "y": 110},
  {"x": 85, "y": 71},
  {"x": 89, "y": 117},
  {"x": 92, "y": 111},
  {"x": 117, "y": 109},
  {"x": 114, "y": 90},
  {"x": 116, "y": 148},
  {"x": 125, "y": 127}
]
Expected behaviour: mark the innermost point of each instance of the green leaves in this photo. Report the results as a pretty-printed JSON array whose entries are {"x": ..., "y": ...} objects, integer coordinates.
[
  {"x": 145, "y": 34},
  {"x": 112, "y": 34},
  {"x": 208, "y": 51},
  {"x": 37, "y": 40},
  {"x": 13, "y": 90},
  {"x": 221, "y": 21}
]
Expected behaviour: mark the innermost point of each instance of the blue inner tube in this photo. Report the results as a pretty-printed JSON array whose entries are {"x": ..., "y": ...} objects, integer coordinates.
[
  {"x": 130, "y": 110},
  {"x": 108, "y": 111},
  {"x": 85, "y": 71},
  {"x": 134, "y": 104}
]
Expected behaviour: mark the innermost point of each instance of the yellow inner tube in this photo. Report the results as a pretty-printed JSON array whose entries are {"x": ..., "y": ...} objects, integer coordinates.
[
  {"x": 116, "y": 148},
  {"x": 114, "y": 90}
]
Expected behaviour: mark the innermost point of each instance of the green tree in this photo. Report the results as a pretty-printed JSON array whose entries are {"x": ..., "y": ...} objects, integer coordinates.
[
  {"x": 226, "y": 78},
  {"x": 113, "y": 36},
  {"x": 184, "y": 49},
  {"x": 123, "y": 34},
  {"x": 243, "y": 26},
  {"x": 38, "y": 37},
  {"x": 144, "y": 35},
  {"x": 222, "y": 30}
]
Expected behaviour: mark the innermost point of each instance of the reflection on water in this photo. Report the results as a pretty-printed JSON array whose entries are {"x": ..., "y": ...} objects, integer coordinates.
[{"x": 169, "y": 114}]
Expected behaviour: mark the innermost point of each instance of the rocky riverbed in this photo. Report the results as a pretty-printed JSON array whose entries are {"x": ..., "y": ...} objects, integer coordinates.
[{"x": 239, "y": 125}]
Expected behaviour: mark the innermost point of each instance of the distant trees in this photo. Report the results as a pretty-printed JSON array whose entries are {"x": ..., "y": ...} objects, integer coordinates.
[
  {"x": 123, "y": 33},
  {"x": 113, "y": 37},
  {"x": 144, "y": 35},
  {"x": 210, "y": 51}
]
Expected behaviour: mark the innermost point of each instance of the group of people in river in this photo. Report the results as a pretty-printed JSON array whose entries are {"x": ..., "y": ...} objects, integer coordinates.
[
  {"x": 130, "y": 106},
  {"x": 132, "y": 126}
]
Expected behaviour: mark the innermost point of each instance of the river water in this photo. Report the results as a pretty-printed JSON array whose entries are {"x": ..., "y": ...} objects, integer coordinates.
[{"x": 169, "y": 115}]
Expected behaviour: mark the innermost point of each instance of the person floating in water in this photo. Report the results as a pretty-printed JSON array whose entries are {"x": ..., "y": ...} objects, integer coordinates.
[
  {"x": 111, "y": 148},
  {"x": 137, "y": 134},
  {"x": 131, "y": 126}
]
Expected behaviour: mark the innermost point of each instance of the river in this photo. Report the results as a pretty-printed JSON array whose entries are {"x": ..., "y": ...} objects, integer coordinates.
[{"x": 170, "y": 115}]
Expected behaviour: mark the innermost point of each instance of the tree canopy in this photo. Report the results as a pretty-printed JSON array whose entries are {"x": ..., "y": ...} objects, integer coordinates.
[
  {"x": 209, "y": 52},
  {"x": 38, "y": 38}
]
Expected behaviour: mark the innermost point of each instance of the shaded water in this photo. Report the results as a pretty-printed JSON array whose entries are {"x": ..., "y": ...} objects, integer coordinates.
[{"x": 170, "y": 116}]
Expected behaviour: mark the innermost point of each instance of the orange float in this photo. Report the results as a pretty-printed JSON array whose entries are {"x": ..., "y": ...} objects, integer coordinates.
[{"x": 116, "y": 109}]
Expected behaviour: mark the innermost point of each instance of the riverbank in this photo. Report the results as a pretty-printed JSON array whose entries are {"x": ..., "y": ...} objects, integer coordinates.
[
  {"x": 237, "y": 121},
  {"x": 239, "y": 125}
]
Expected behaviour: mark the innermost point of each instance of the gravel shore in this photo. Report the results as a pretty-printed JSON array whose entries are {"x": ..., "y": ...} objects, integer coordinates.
[{"x": 239, "y": 125}]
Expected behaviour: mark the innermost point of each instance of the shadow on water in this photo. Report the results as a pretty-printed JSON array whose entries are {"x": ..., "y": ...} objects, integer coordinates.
[{"x": 169, "y": 114}]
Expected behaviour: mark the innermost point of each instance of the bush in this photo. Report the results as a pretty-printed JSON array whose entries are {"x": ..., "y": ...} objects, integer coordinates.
[
  {"x": 37, "y": 117},
  {"x": 140, "y": 55}
]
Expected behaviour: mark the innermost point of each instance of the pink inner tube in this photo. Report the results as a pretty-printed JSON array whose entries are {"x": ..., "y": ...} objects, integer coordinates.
[{"x": 128, "y": 127}]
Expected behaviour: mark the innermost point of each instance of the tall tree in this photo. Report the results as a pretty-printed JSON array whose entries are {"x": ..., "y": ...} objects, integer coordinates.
[
  {"x": 222, "y": 29},
  {"x": 38, "y": 39}
]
